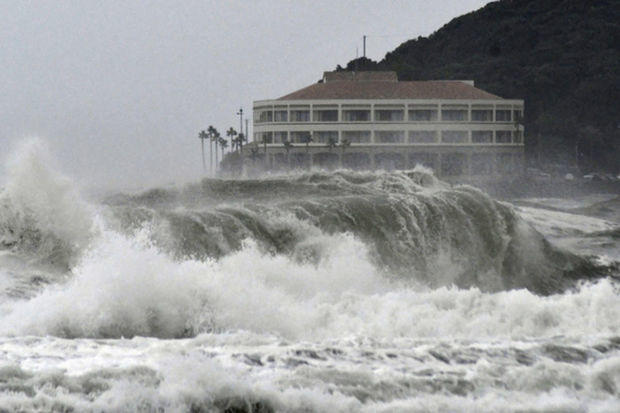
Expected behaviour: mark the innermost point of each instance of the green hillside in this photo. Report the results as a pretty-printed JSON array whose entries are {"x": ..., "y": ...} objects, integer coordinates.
[{"x": 561, "y": 56}]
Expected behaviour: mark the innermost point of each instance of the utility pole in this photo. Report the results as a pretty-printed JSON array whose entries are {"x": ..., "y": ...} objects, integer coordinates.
[
  {"x": 240, "y": 137},
  {"x": 364, "y": 48},
  {"x": 240, "y": 113}
]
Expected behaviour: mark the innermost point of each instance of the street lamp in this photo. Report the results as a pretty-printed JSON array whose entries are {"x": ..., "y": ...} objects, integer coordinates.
[{"x": 240, "y": 113}]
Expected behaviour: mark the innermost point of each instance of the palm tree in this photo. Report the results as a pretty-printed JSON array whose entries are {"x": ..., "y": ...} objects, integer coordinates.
[
  {"x": 265, "y": 141},
  {"x": 307, "y": 140},
  {"x": 216, "y": 139},
  {"x": 240, "y": 139},
  {"x": 231, "y": 133},
  {"x": 332, "y": 143},
  {"x": 210, "y": 131},
  {"x": 345, "y": 144},
  {"x": 287, "y": 147},
  {"x": 202, "y": 136},
  {"x": 223, "y": 144}
]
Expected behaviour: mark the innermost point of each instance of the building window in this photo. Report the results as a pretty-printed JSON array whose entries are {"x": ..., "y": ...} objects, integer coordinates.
[
  {"x": 356, "y": 115},
  {"x": 482, "y": 136},
  {"x": 280, "y": 116},
  {"x": 454, "y": 136},
  {"x": 300, "y": 136},
  {"x": 422, "y": 136},
  {"x": 517, "y": 115},
  {"x": 300, "y": 116},
  {"x": 356, "y": 136},
  {"x": 389, "y": 115},
  {"x": 390, "y": 136},
  {"x": 279, "y": 137},
  {"x": 453, "y": 164},
  {"x": 482, "y": 163},
  {"x": 260, "y": 137},
  {"x": 265, "y": 116},
  {"x": 503, "y": 136},
  {"x": 325, "y": 136},
  {"x": 423, "y": 113},
  {"x": 502, "y": 115},
  {"x": 454, "y": 113},
  {"x": 482, "y": 115},
  {"x": 329, "y": 115}
]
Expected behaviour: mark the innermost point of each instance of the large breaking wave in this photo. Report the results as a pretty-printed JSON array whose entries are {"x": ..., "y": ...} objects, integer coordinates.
[
  {"x": 309, "y": 255},
  {"x": 414, "y": 227}
]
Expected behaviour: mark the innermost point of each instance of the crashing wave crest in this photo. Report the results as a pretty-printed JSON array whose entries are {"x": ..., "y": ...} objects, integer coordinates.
[
  {"x": 41, "y": 214},
  {"x": 313, "y": 254}
]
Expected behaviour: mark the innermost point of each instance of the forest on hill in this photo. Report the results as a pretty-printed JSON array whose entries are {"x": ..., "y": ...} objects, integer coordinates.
[{"x": 561, "y": 56}]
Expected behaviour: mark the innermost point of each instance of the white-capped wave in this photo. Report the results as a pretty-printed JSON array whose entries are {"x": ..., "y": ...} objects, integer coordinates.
[
  {"x": 124, "y": 286},
  {"x": 40, "y": 209}
]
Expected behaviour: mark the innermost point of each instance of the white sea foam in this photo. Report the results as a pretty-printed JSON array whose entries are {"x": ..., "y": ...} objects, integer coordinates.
[
  {"x": 129, "y": 375},
  {"x": 124, "y": 286},
  {"x": 40, "y": 207},
  {"x": 319, "y": 328}
]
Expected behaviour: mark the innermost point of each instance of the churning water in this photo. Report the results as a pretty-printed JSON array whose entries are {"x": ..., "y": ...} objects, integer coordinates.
[{"x": 341, "y": 291}]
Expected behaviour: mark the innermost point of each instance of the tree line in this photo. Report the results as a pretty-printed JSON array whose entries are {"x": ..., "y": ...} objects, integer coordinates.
[{"x": 216, "y": 140}]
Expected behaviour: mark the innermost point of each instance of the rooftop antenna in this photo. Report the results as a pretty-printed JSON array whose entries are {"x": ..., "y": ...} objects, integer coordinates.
[{"x": 364, "y": 41}]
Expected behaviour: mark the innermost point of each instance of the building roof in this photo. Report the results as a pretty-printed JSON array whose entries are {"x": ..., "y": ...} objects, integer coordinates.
[{"x": 384, "y": 85}]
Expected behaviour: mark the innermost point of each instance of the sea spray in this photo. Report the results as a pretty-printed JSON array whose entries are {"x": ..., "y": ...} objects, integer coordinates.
[
  {"x": 41, "y": 214},
  {"x": 341, "y": 291}
]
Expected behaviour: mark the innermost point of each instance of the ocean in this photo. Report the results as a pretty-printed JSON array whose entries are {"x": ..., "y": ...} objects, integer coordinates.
[{"x": 308, "y": 292}]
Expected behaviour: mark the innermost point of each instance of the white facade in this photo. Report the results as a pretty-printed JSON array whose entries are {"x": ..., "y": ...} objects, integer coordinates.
[{"x": 453, "y": 136}]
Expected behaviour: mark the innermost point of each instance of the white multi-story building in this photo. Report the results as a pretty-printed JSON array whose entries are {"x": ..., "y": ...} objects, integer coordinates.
[{"x": 370, "y": 120}]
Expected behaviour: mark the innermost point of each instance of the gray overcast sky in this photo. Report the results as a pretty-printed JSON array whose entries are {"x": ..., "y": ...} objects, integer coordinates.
[{"x": 120, "y": 89}]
